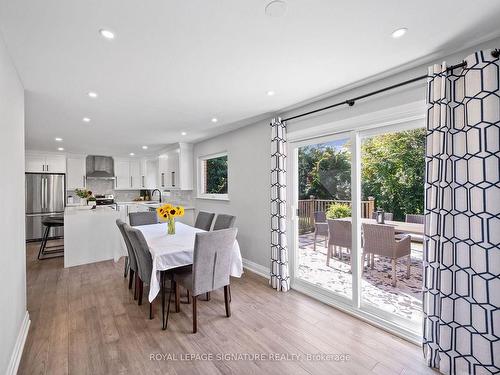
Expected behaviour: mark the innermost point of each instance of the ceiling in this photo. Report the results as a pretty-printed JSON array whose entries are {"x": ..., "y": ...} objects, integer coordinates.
[{"x": 176, "y": 64}]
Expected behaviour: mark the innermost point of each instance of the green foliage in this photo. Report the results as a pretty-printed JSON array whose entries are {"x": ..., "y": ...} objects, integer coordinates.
[
  {"x": 216, "y": 175},
  {"x": 325, "y": 173},
  {"x": 393, "y": 171},
  {"x": 338, "y": 211},
  {"x": 393, "y": 168},
  {"x": 83, "y": 193}
]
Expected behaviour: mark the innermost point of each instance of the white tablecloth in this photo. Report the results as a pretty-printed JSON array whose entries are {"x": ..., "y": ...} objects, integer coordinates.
[{"x": 171, "y": 251}]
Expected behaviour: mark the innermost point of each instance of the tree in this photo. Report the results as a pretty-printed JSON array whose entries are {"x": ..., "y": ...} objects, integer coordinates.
[
  {"x": 324, "y": 172},
  {"x": 216, "y": 175},
  {"x": 393, "y": 167}
]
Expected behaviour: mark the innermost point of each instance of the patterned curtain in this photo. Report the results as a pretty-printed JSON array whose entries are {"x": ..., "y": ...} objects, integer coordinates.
[
  {"x": 462, "y": 229},
  {"x": 280, "y": 278}
]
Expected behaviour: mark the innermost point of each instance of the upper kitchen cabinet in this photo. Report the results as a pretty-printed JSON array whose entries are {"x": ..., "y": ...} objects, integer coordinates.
[
  {"x": 45, "y": 163},
  {"x": 127, "y": 174},
  {"x": 149, "y": 173},
  {"x": 76, "y": 172},
  {"x": 175, "y": 167}
]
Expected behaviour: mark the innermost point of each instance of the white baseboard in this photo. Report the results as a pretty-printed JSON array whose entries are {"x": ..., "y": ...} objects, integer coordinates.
[
  {"x": 256, "y": 268},
  {"x": 17, "y": 353}
]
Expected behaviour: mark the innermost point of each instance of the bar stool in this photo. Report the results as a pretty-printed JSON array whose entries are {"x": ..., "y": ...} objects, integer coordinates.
[{"x": 48, "y": 223}]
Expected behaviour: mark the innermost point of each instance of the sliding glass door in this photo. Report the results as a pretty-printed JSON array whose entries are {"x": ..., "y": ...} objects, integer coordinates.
[
  {"x": 323, "y": 190},
  {"x": 357, "y": 228}
]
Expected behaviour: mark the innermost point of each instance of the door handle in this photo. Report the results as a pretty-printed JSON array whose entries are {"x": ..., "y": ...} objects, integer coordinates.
[
  {"x": 130, "y": 181},
  {"x": 143, "y": 181},
  {"x": 173, "y": 178},
  {"x": 163, "y": 180},
  {"x": 44, "y": 196},
  {"x": 47, "y": 167},
  {"x": 84, "y": 182}
]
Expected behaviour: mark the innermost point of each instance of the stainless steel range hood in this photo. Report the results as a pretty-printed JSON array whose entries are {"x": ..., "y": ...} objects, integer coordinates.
[{"x": 100, "y": 167}]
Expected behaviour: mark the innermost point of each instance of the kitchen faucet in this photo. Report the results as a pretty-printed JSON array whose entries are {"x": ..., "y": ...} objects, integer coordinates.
[{"x": 159, "y": 193}]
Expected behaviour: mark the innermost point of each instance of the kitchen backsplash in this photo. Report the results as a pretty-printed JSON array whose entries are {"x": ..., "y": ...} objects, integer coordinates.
[{"x": 106, "y": 187}]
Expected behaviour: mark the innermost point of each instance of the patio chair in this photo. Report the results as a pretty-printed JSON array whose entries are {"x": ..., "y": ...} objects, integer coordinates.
[
  {"x": 320, "y": 227},
  {"x": 414, "y": 218},
  {"x": 418, "y": 219},
  {"x": 387, "y": 215},
  {"x": 380, "y": 240},
  {"x": 339, "y": 237}
]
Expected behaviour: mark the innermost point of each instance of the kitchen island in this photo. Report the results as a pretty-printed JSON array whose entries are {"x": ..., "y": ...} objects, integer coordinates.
[{"x": 91, "y": 235}]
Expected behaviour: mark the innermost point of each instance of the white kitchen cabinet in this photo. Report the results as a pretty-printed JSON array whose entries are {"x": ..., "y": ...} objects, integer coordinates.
[
  {"x": 122, "y": 174},
  {"x": 127, "y": 174},
  {"x": 135, "y": 174},
  {"x": 45, "y": 163},
  {"x": 75, "y": 172},
  {"x": 175, "y": 167},
  {"x": 149, "y": 170}
]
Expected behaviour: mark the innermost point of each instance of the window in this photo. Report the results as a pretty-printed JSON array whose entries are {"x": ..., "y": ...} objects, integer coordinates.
[{"x": 213, "y": 182}]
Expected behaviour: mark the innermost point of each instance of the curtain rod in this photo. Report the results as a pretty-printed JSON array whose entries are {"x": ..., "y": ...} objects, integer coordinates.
[{"x": 350, "y": 102}]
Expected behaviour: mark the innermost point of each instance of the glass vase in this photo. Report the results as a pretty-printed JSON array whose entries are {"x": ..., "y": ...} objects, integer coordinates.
[{"x": 171, "y": 226}]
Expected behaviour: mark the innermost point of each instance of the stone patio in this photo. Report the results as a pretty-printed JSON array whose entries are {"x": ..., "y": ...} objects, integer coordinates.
[{"x": 404, "y": 300}]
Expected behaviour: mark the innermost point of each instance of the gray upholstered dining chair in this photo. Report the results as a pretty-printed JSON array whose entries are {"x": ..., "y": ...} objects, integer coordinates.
[
  {"x": 204, "y": 220},
  {"x": 381, "y": 240},
  {"x": 320, "y": 227},
  {"x": 143, "y": 218},
  {"x": 130, "y": 261},
  {"x": 339, "y": 237},
  {"x": 144, "y": 262},
  {"x": 223, "y": 221},
  {"x": 211, "y": 268},
  {"x": 387, "y": 215}
]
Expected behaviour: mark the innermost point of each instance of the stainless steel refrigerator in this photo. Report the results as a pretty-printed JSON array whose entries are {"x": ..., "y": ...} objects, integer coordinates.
[{"x": 45, "y": 196}]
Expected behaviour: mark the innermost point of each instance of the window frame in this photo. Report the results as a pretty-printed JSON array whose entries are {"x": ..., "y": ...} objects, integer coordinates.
[{"x": 201, "y": 178}]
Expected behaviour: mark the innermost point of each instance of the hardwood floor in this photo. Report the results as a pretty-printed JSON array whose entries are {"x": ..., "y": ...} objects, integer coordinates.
[{"x": 84, "y": 320}]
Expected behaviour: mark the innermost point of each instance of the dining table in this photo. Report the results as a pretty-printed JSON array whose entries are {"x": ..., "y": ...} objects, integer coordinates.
[{"x": 171, "y": 251}]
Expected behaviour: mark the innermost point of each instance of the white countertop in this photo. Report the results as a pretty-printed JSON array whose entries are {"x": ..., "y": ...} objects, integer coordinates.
[{"x": 156, "y": 204}]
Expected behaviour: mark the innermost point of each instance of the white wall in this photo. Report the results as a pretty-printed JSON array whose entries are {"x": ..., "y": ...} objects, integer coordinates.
[
  {"x": 249, "y": 151},
  {"x": 249, "y": 189},
  {"x": 12, "y": 235}
]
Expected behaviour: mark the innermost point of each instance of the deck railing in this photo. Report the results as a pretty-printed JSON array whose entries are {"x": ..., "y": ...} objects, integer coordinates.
[{"x": 307, "y": 207}]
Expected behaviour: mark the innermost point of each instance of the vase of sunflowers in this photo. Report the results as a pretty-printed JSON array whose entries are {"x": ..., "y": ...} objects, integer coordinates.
[{"x": 168, "y": 213}]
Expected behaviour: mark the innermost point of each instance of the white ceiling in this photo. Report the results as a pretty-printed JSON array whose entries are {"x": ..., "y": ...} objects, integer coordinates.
[{"x": 176, "y": 64}]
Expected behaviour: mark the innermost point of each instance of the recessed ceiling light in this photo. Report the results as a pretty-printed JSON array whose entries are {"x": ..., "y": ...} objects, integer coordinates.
[
  {"x": 399, "y": 32},
  {"x": 58, "y": 139},
  {"x": 276, "y": 8},
  {"x": 60, "y": 149},
  {"x": 92, "y": 94},
  {"x": 183, "y": 133},
  {"x": 107, "y": 34},
  {"x": 270, "y": 93},
  {"x": 144, "y": 147},
  {"x": 131, "y": 154},
  {"x": 85, "y": 119},
  {"x": 214, "y": 119}
]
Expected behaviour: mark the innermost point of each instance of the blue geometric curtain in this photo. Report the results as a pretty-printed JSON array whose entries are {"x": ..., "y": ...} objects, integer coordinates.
[
  {"x": 462, "y": 228},
  {"x": 280, "y": 278}
]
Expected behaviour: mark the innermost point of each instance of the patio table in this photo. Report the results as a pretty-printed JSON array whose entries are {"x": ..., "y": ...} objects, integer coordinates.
[{"x": 399, "y": 226}]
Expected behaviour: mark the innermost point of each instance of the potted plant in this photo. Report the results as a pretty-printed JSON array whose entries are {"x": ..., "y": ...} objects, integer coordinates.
[
  {"x": 84, "y": 194},
  {"x": 168, "y": 213},
  {"x": 91, "y": 201},
  {"x": 338, "y": 211}
]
